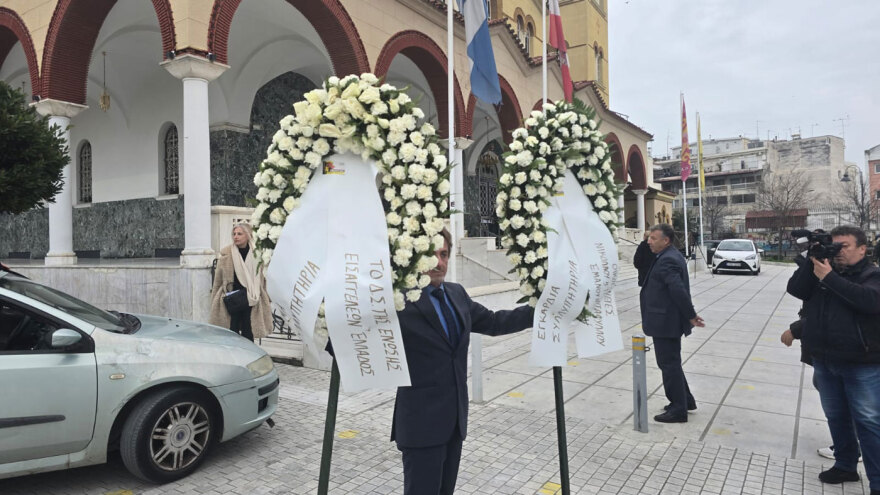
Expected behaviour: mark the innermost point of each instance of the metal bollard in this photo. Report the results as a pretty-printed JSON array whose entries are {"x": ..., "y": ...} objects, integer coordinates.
[{"x": 640, "y": 384}]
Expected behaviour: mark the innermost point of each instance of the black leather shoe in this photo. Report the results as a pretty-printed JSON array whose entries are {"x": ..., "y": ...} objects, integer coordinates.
[
  {"x": 836, "y": 476},
  {"x": 691, "y": 407},
  {"x": 668, "y": 417}
]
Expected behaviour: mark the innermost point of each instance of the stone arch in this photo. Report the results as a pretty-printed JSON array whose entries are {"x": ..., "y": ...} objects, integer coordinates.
[
  {"x": 71, "y": 37},
  {"x": 12, "y": 31},
  {"x": 509, "y": 112},
  {"x": 333, "y": 24},
  {"x": 431, "y": 60},
  {"x": 618, "y": 159},
  {"x": 635, "y": 163}
]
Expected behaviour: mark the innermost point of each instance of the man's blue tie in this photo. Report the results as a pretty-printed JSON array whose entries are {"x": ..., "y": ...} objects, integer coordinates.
[{"x": 451, "y": 325}]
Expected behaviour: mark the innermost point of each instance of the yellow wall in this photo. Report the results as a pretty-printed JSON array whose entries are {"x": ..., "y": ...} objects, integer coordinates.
[
  {"x": 585, "y": 24},
  {"x": 36, "y": 15}
]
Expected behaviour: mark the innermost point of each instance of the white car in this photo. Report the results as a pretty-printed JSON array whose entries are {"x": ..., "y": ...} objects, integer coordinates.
[
  {"x": 78, "y": 382},
  {"x": 737, "y": 255}
]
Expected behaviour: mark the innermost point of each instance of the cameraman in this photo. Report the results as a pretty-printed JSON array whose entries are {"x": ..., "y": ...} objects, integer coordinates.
[{"x": 842, "y": 334}]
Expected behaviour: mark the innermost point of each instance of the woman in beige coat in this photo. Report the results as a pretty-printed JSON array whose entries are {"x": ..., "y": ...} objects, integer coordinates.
[{"x": 237, "y": 270}]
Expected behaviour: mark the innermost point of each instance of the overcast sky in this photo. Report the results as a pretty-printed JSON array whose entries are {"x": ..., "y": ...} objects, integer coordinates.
[{"x": 780, "y": 65}]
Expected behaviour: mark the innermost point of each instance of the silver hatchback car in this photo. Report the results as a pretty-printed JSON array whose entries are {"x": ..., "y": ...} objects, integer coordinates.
[{"x": 77, "y": 382}]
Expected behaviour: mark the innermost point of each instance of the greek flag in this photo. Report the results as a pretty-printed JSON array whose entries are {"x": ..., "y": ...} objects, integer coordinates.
[{"x": 484, "y": 75}]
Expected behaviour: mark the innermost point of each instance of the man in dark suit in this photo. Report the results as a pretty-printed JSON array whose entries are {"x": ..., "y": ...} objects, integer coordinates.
[
  {"x": 430, "y": 416},
  {"x": 667, "y": 314}
]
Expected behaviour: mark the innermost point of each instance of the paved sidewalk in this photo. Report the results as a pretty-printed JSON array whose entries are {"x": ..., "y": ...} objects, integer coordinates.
[{"x": 756, "y": 429}]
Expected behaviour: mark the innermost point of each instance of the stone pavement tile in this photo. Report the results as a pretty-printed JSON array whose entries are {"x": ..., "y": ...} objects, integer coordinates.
[
  {"x": 497, "y": 382},
  {"x": 750, "y": 430},
  {"x": 735, "y": 334},
  {"x": 600, "y": 404},
  {"x": 812, "y": 435},
  {"x": 763, "y": 397},
  {"x": 707, "y": 388},
  {"x": 713, "y": 366},
  {"x": 811, "y": 405},
  {"x": 622, "y": 378},
  {"x": 538, "y": 394},
  {"x": 717, "y": 347},
  {"x": 777, "y": 354},
  {"x": 767, "y": 372}
]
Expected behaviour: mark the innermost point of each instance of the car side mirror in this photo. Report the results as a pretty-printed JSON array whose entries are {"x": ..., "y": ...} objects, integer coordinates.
[
  {"x": 65, "y": 337},
  {"x": 760, "y": 251}
]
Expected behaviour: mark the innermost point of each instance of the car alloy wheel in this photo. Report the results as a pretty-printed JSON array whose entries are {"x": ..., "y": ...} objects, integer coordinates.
[
  {"x": 180, "y": 436},
  {"x": 168, "y": 434}
]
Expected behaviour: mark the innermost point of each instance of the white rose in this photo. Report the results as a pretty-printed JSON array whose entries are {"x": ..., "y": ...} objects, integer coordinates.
[
  {"x": 543, "y": 132},
  {"x": 539, "y": 236},
  {"x": 424, "y": 193},
  {"x": 514, "y": 258},
  {"x": 605, "y": 216},
  {"x": 531, "y": 122},
  {"x": 413, "y": 208},
  {"x": 516, "y": 146},
  {"x": 522, "y": 240},
  {"x": 275, "y": 233},
  {"x": 421, "y": 243},
  {"x": 537, "y": 272},
  {"x": 600, "y": 202},
  {"x": 399, "y": 301},
  {"x": 520, "y": 133},
  {"x": 424, "y": 280},
  {"x": 313, "y": 159},
  {"x": 530, "y": 257},
  {"x": 266, "y": 255},
  {"x": 413, "y": 295},
  {"x": 443, "y": 187},
  {"x": 290, "y": 203},
  {"x": 428, "y": 129},
  {"x": 430, "y": 176},
  {"x": 590, "y": 190},
  {"x": 505, "y": 179},
  {"x": 520, "y": 177},
  {"x": 517, "y": 221},
  {"x": 527, "y": 289}
]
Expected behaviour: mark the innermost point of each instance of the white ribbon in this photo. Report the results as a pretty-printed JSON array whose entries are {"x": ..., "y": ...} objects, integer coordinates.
[
  {"x": 582, "y": 259},
  {"x": 334, "y": 248}
]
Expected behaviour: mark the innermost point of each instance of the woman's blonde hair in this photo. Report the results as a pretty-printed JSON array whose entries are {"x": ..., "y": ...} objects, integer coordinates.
[{"x": 246, "y": 227}]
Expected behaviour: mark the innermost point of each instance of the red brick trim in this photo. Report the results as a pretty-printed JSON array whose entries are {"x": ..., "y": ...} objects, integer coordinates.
[
  {"x": 431, "y": 60},
  {"x": 15, "y": 31},
  {"x": 331, "y": 21},
  {"x": 617, "y": 157},
  {"x": 71, "y": 37},
  {"x": 509, "y": 113},
  {"x": 638, "y": 173}
]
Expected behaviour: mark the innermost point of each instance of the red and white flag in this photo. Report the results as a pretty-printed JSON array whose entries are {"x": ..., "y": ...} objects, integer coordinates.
[{"x": 557, "y": 40}]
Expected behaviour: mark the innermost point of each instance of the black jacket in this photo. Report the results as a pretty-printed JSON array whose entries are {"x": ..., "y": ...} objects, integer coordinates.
[
  {"x": 642, "y": 260},
  {"x": 426, "y": 413},
  {"x": 665, "y": 298},
  {"x": 841, "y": 313}
]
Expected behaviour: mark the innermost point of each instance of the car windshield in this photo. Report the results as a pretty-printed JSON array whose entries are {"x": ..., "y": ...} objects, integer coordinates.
[
  {"x": 735, "y": 246},
  {"x": 63, "y": 302}
]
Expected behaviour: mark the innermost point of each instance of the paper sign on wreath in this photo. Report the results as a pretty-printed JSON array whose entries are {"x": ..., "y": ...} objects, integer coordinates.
[
  {"x": 557, "y": 209},
  {"x": 338, "y": 247}
]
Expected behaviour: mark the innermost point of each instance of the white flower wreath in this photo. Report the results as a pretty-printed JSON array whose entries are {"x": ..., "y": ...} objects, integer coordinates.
[
  {"x": 380, "y": 123},
  {"x": 564, "y": 136}
]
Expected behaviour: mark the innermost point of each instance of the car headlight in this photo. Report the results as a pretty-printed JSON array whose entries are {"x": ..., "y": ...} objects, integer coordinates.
[
  {"x": 751, "y": 257},
  {"x": 261, "y": 366},
  {"x": 717, "y": 256}
]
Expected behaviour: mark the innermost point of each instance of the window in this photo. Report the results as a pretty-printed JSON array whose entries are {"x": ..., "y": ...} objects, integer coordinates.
[
  {"x": 742, "y": 198},
  {"x": 876, "y": 194},
  {"x": 171, "y": 161},
  {"x": 520, "y": 31},
  {"x": 877, "y": 168},
  {"x": 720, "y": 200},
  {"x": 25, "y": 331},
  {"x": 530, "y": 33},
  {"x": 85, "y": 173},
  {"x": 599, "y": 60}
]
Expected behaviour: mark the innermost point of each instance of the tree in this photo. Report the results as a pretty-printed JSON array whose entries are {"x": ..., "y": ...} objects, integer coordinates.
[
  {"x": 33, "y": 156},
  {"x": 782, "y": 193},
  {"x": 855, "y": 198},
  {"x": 714, "y": 212}
]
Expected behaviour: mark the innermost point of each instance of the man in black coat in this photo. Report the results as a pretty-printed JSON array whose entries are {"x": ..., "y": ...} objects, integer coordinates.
[
  {"x": 667, "y": 314},
  {"x": 430, "y": 416},
  {"x": 643, "y": 259},
  {"x": 842, "y": 334}
]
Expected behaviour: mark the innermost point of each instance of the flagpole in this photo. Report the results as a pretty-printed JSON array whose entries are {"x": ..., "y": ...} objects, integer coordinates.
[
  {"x": 684, "y": 202},
  {"x": 450, "y": 126},
  {"x": 701, "y": 179},
  {"x": 544, "y": 51}
]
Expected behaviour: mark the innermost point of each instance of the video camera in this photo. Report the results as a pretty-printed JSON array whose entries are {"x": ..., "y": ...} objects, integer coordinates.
[{"x": 820, "y": 244}]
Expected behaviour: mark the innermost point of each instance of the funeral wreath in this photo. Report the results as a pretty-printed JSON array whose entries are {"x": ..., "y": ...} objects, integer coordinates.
[
  {"x": 564, "y": 136},
  {"x": 380, "y": 123}
]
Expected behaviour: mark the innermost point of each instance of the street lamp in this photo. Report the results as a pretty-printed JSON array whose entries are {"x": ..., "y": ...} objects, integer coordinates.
[{"x": 863, "y": 215}]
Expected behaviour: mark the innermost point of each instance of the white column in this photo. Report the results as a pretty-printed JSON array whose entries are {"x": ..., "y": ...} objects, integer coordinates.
[
  {"x": 640, "y": 210},
  {"x": 621, "y": 217},
  {"x": 61, "y": 210},
  {"x": 196, "y": 73}
]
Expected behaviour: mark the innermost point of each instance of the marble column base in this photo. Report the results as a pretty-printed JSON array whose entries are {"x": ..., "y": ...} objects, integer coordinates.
[
  {"x": 197, "y": 258},
  {"x": 60, "y": 258}
]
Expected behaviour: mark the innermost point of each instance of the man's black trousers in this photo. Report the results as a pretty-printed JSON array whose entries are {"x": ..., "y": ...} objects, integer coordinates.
[
  {"x": 432, "y": 470},
  {"x": 668, "y": 352}
]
